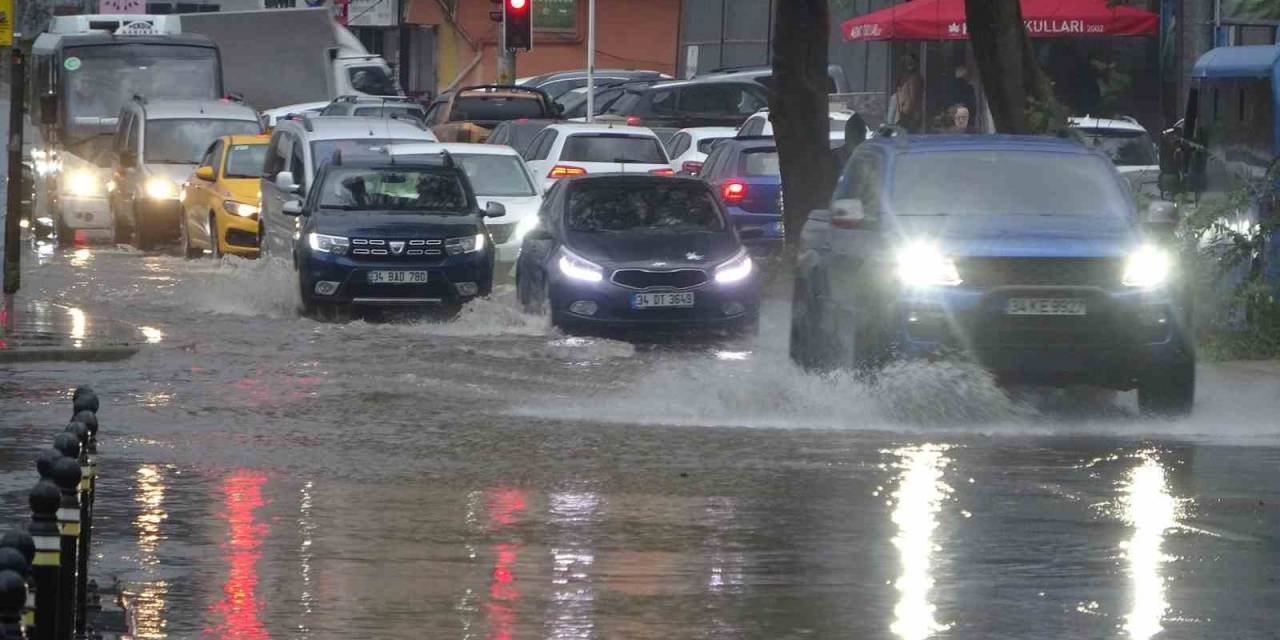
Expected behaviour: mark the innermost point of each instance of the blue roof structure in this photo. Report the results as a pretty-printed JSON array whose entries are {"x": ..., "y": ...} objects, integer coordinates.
[{"x": 1257, "y": 61}]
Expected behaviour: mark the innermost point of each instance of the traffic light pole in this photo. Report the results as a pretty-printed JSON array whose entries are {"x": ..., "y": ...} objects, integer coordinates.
[{"x": 506, "y": 57}]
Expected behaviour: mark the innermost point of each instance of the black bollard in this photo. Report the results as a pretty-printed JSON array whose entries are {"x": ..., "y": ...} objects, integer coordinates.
[
  {"x": 81, "y": 432},
  {"x": 21, "y": 540},
  {"x": 84, "y": 399},
  {"x": 13, "y": 594},
  {"x": 46, "y": 565},
  {"x": 66, "y": 473}
]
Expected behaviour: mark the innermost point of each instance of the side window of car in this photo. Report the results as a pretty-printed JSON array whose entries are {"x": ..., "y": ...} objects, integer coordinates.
[
  {"x": 274, "y": 162},
  {"x": 434, "y": 114},
  {"x": 210, "y": 158},
  {"x": 298, "y": 164},
  {"x": 754, "y": 126},
  {"x": 710, "y": 167},
  {"x": 531, "y": 150},
  {"x": 662, "y": 101},
  {"x": 540, "y": 148},
  {"x": 866, "y": 173},
  {"x": 748, "y": 99},
  {"x": 679, "y": 144}
]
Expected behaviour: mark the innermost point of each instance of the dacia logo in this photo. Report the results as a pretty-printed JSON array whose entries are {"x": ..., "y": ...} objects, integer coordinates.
[{"x": 397, "y": 247}]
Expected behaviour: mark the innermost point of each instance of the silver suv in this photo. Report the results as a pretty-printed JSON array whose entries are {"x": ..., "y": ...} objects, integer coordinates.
[
  {"x": 158, "y": 145},
  {"x": 299, "y": 146}
]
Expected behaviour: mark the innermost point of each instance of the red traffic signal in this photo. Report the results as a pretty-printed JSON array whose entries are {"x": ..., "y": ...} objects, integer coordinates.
[{"x": 517, "y": 24}]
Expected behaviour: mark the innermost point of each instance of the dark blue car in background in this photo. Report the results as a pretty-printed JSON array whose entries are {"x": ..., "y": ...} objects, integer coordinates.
[
  {"x": 1025, "y": 253},
  {"x": 745, "y": 174},
  {"x": 380, "y": 232}
]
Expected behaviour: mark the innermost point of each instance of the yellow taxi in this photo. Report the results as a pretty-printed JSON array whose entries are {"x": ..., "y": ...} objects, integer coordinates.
[{"x": 221, "y": 200}]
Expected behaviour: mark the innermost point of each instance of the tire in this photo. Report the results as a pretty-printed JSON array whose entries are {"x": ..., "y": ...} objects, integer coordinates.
[
  {"x": 215, "y": 247},
  {"x": 1169, "y": 392},
  {"x": 184, "y": 240},
  {"x": 826, "y": 337},
  {"x": 138, "y": 236}
]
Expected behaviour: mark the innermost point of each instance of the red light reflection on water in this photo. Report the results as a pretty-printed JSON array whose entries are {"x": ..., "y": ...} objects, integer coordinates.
[
  {"x": 504, "y": 507},
  {"x": 239, "y": 608}
]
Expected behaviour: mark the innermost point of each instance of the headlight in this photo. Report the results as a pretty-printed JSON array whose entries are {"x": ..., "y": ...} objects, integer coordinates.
[
  {"x": 579, "y": 268},
  {"x": 159, "y": 188},
  {"x": 526, "y": 224},
  {"x": 471, "y": 244},
  {"x": 83, "y": 182},
  {"x": 1147, "y": 267},
  {"x": 337, "y": 245},
  {"x": 735, "y": 269},
  {"x": 921, "y": 264},
  {"x": 239, "y": 209}
]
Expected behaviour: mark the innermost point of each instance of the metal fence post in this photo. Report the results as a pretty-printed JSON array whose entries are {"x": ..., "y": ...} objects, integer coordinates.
[
  {"x": 45, "y": 567},
  {"x": 66, "y": 473},
  {"x": 21, "y": 540},
  {"x": 81, "y": 433},
  {"x": 13, "y": 594}
]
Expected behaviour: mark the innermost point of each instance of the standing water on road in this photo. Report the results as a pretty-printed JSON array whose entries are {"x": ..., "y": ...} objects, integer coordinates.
[{"x": 266, "y": 475}]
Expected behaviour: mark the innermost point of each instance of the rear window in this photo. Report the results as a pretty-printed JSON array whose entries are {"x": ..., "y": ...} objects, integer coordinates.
[
  {"x": 760, "y": 163},
  {"x": 642, "y": 205},
  {"x": 706, "y": 144},
  {"x": 1125, "y": 147},
  {"x": 612, "y": 147},
  {"x": 322, "y": 150},
  {"x": 496, "y": 108}
]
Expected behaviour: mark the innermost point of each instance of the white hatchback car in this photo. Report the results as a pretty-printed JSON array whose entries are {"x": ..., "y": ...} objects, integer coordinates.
[
  {"x": 497, "y": 174},
  {"x": 566, "y": 150},
  {"x": 1128, "y": 145},
  {"x": 760, "y": 125},
  {"x": 689, "y": 147}
]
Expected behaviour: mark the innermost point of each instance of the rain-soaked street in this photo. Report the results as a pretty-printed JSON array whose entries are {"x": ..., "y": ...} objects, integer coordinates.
[{"x": 268, "y": 476}]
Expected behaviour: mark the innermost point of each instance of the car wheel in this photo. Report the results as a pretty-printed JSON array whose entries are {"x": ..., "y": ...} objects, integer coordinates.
[
  {"x": 306, "y": 306},
  {"x": 215, "y": 246},
  {"x": 184, "y": 239},
  {"x": 1168, "y": 392}
]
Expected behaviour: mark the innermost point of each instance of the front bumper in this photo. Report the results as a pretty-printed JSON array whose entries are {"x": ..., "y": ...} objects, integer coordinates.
[
  {"x": 352, "y": 276},
  {"x": 87, "y": 213},
  {"x": 158, "y": 216},
  {"x": 1123, "y": 334},
  {"x": 715, "y": 305},
  {"x": 237, "y": 235}
]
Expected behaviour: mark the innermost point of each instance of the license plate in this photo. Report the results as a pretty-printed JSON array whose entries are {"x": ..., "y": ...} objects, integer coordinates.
[
  {"x": 1045, "y": 307},
  {"x": 397, "y": 277},
  {"x": 650, "y": 300}
]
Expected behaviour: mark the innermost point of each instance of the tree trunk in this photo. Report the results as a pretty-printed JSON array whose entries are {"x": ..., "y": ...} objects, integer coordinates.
[
  {"x": 1018, "y": 92},
  {"x": 798, "y": 109}
]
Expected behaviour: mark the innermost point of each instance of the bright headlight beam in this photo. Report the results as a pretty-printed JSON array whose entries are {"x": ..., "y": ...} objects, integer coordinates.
[
  {"x": 734, "y": 270},
  {"x": 579, "y": 269},
  {"x": 83, "y": 182},
  {"x": 1147, "y": 267},
  {"x": 921, "y": 264},
  {"x": 160, "y": 188}
]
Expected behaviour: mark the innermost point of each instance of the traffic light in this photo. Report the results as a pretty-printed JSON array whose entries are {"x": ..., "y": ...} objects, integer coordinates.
[{"x": 517, "y": 24}]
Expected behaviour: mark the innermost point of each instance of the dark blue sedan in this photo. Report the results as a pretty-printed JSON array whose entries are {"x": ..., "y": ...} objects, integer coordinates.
[
  {"x": 746, "y": 177},
  {"x": 614, "y": 250}
]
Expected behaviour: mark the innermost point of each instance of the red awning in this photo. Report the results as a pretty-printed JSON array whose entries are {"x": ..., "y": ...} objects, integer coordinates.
[{"x": 945, "y": 20}]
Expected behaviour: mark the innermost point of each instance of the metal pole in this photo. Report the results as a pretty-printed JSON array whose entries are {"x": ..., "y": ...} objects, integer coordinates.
[
  {"x": 591, "y": 60},
  {"x": 81, "y": 431},
  {"x": 13, "y": 204},
  {"x": 66, "y": 474},
  {"x": 46, "y": 565},
  {"x": 506, "y": 58}
]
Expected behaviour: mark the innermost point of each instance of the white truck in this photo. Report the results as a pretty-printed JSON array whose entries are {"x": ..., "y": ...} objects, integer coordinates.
[{"x": 278, "y": 57}]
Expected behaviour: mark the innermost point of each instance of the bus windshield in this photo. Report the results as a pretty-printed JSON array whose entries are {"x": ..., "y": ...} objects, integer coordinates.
[{"x": 99, "y": 79}]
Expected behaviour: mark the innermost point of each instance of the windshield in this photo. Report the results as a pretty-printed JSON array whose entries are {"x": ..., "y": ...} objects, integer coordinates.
[
  {"x": 648, "y": 205},
  {"x": 100, "y": 79},
  {"x": 1126, "y": 148},
  {"x": 1006, "y": 183},
  {"x": 393, "y": 189},
  {"x": 613, "y": 147},
  {"x": 390, "y": 111},
  {"x": 246, "y": 160},
  {"x": 760, "y": 163},
  {"x": 184, "y": 141},
  {"x": 322, "y": 150},
  {"x": 496, "y": 108},
  {"x": 494, "y": 175},
  {"x": 373, "y": 80},
  {"x": 99, "y": 150}
]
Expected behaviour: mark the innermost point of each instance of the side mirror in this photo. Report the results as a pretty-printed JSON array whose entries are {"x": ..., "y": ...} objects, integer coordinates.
[
  {"x": 848, "y": 213},
  {"x": 49, "y": 109},
  {"x": 494, "y": 210},
  {"x": 750, "y": 233},
  {"x": 284, "y": 180},
  {"x": 292, "y": 208},
  {"x": 205, "y": 173},
  {"x": 1162, "y": 215}
]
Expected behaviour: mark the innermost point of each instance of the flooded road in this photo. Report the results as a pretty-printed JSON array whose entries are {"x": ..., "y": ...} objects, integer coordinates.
[{"x": 266, "y": 476}]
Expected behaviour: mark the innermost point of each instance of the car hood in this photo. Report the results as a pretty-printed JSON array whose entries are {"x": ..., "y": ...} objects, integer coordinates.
[
  {"x": 665, "y": 250},
  {"x": 240, "y": 190},
  {"x": 517, "y": 207},
  {"x": 178, "y": 173},
  {"x": 362, "y": 224},
  {"x": 1024, "y": 236}
]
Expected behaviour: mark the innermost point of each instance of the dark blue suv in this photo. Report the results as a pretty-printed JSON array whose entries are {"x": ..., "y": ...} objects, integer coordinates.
[
  {"x": 1024, "y": 253},
  {"x": 380, "y": 232}
]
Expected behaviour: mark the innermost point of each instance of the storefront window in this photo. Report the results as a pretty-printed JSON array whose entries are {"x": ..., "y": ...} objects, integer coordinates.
[{"x": 556, "y": 15}]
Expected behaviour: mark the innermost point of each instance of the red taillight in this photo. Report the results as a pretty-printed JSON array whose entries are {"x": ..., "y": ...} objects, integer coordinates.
[
  {"x": 633, "y": 121},
  {"x": 565, "y": 171},
  {"x": 733, "y": 191},
  {"x": 663, "y": 172},
  {"x": 691, "y": 167},
  {"x": 847, "y": 222}
]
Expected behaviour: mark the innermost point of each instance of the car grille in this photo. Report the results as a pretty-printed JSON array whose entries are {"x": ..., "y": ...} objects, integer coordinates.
[
  {"x": 1005, "y": 272},
  {"x": 676, "y": 279},
  {"x": 382, "y": 248},
  {"x": 501, "y": 232}
]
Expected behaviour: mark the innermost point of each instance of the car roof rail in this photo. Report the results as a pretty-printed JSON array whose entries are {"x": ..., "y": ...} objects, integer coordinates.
[{"x": 755, "y": 138}]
